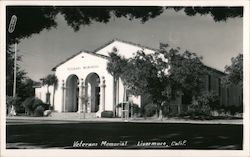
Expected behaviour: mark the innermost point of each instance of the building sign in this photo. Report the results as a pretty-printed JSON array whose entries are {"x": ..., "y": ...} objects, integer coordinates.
[
  {"x": 73, "y": 68},
  {"x": 81, "y": 68}
]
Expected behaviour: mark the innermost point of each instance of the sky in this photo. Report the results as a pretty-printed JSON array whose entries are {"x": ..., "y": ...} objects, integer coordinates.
[{"x": 217, "y": 42}]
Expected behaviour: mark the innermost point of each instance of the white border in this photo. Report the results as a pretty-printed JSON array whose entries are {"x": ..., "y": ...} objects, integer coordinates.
[{"x": 107, "y": 153}]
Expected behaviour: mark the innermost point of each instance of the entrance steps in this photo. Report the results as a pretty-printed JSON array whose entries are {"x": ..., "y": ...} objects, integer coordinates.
[{"x": 72, "y": 115}]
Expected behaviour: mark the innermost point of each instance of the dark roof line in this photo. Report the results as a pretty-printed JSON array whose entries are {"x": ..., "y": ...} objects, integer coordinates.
[{"x": 215, "y": 70}]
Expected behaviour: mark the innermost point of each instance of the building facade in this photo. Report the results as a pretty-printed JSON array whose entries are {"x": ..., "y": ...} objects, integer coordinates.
[{"x": 84, "y": 84}]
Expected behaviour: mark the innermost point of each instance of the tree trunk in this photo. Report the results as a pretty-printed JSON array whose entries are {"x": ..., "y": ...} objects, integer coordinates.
[
  {"x": 53, "y": 100},
  {"x": 48, "y": 96},
  {"x": 160, "y": 116},
  {"x": 114, "y": 96}
]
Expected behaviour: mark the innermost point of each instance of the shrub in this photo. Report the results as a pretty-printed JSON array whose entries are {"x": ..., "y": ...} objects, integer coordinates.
[
  {"x": 209, "y": 98},
  {"x": 107, "y": 114},
  {"x": 16, "y": 102},
  {"x": 27, "y": 104},
  {"x": 37, "y": 102},
  {"x": 196, "y": 109},
  {"x": 136, "y": 109},
  {"x": 233, "y": 109},
  {"x": 30, "y": 104},
  {"x": 39, "y": 111},
  {"x": 166, "y": 110},
  {"x": 202, "y": 105},
  {"x": 150, "y": 110}
]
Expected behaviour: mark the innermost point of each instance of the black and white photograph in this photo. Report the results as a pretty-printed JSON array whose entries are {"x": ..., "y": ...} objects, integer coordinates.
[{"x": 142, "y": 78}]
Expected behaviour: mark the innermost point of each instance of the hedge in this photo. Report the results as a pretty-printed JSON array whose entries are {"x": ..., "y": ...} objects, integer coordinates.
[{"x": 107, "y": 114}]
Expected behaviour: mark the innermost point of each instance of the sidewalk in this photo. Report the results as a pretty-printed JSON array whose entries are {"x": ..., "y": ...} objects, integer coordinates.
[{"x": 135, "y": 120}]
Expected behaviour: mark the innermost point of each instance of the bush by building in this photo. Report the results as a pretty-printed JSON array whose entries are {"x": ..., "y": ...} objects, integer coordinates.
[
  {"x": 150, "y": 110},
  {"x": 134, "y": 109},
  {"x": 31, "y": 105},
  {"x": 107, "y": 114},
  {"x": 14, "y": 101},
  {"x": 39, "y": 111},
  {"x": 204, "y": 104}
]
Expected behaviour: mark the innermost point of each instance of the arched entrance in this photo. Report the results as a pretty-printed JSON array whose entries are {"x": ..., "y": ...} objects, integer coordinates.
[
  {"x": 72, "y": 94},
  {"x": 92, "y": 92}
]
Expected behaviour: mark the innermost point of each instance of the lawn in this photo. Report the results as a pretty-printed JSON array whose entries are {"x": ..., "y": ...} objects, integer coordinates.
[{"x": 124, "y": 135}]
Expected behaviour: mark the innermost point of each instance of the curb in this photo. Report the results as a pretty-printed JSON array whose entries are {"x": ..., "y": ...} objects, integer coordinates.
[{"x": 237, "y": 121}]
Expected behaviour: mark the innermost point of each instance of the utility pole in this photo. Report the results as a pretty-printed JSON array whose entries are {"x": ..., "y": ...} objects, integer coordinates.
[
  {"x": 15, "y": 59},
  {"x": 11, "y": 29}
]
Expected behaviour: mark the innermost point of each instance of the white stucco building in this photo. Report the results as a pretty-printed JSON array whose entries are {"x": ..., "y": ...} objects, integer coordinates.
[
  {"x": 83, "y": 78},
  {"x": 84, "y": 84}
]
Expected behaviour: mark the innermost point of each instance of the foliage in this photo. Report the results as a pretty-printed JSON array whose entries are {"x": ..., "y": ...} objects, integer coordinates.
[
  {"x": 30, "y": 104},
  {"x": 218, "y": 13},
  {"x": 150, "y": 110},
  {"x": 49, "y": 80},
  {"x": 13, "y": 101},
  {"x": 136, "y": 109},
  {"x": 186, "y": 72},
  {"x": 202, "y": 105},
  {"x": 163, "y": 75},
  {"x": 235, "y": 71},
  {"x": 21, "y": 74},
  {"x": 233, "y": 109},
  {"x": 44, "y": 17},
  {"x": 116, "y": 64},
  {"x": 39, "y": 111},
  {"x": 107, "y": 114},
  {"x": 132, "y": 106},
  {"x": 24, "y": 88},
  {"x": 229, "y": 110},
  {"x": 27, "y": 89}
]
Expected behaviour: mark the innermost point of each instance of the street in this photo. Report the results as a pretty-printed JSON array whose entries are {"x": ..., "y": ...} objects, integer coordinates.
[{"x": 122, "y": 135}]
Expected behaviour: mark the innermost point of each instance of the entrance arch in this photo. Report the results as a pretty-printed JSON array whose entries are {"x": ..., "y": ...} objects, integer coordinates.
[
  {"x": 72, "y": 94},
  {"x": 92, "y": 92}
]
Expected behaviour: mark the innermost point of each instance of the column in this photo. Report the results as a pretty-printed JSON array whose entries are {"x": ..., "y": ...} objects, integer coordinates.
[
  {"x": 63, "y": 91},
  {"x": 81, "y": 96},
  {"x": 102, "y": 95}
]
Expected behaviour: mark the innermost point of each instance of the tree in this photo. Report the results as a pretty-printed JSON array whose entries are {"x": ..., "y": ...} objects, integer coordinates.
[
  {"x": 235, "y": 71},
  {"x": 187, "y": 71},
  {"x": 115, "y": 67},
  {"x": 218, "y": 13},
  {"x": 49, "y": 80},
  {"x": 21, "y": 74},
  {"x": 24, "y": 84},
  {"x": 27, "y": 88},
  {"x": 163, "y": 75},
  {"x": 44, "y": 17}
]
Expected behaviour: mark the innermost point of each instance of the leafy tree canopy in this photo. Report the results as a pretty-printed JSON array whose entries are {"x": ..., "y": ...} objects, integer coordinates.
[
  {"x": 235, "y": 71},
  {"x": 163, "y": 75},
  {"x": 34, "y": 19},
  {"x": 49, "y": 80}
]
